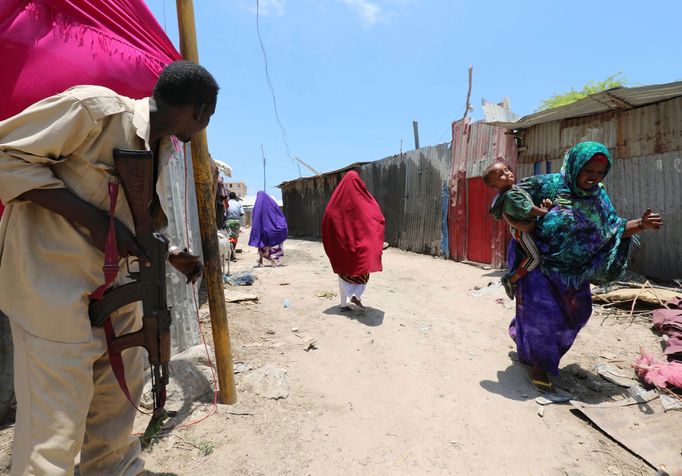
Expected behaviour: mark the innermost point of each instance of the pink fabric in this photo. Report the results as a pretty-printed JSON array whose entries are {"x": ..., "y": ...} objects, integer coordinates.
[
  {"x": 655, "y": 372},
  {"x": 48, "y": 46}
]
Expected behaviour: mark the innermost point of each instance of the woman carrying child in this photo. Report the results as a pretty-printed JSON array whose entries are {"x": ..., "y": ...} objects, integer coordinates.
[{"x": 581, "y": 240}]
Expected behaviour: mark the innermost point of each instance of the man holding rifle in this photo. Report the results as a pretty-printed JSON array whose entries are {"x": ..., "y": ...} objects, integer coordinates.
[{"x": 56, "y": 164}]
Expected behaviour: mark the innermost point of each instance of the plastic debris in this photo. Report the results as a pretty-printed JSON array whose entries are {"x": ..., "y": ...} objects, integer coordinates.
[{"x": 244, "y": 278}]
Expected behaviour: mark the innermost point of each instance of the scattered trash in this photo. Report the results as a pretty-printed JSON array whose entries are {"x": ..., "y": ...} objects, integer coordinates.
[
  {"x": 541, "y": 411},
  {"x": 670, "y": 402},
  {"x": 243, "y": 278},
  {"x": 551, "y": 397},
  {"x": 286, "y": 304},
  {"x": 294, "y": 329},
  {"x": 325, "y": 294},
  {"x": 641, "y": 395},
  {"x": 659, "y": 373},
  {"x": 241, "y": 367},
  {"x": 647, "y": 294},
  {"x": 491, "y": 288},
  {"x": 311, "y": 346},
  {"x": 615, "y": 375},
  {"x": 238, "y": 296}
]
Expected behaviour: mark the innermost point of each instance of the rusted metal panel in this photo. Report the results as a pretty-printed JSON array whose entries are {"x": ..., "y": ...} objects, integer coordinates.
[
  {"x": 408, "y": 188},
  {"x": 647, "y": 130},
  {"x": 653, "y": 181},
  {"x": 475, "y": 147},
  {"x": 601, "y": 102},
  {"x": 540, "y": 143}
]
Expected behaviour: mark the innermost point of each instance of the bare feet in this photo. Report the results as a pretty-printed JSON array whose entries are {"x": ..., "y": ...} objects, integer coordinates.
[{"x": 357, "y": 302}]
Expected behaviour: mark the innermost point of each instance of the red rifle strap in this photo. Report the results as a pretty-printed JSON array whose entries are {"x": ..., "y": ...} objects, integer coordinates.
[{"x": 110, "y": 269}]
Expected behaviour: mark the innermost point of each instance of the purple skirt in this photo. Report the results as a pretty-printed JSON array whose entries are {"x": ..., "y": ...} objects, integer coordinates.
[{"x": 549, "y": 316}]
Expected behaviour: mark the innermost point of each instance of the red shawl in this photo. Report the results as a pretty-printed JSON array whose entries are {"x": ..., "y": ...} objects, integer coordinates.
[{"x": 353, "y": 228}]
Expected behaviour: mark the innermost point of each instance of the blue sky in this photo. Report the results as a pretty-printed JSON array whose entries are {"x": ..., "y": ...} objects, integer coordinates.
[{"x": 350, "y": 76}]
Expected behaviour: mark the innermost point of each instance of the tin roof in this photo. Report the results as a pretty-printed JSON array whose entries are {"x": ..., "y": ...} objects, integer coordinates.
[{"x": 609, "y": 100}]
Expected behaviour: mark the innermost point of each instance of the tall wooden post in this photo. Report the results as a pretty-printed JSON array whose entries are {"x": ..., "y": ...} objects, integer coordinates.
[{"x": 207, "y": 224}]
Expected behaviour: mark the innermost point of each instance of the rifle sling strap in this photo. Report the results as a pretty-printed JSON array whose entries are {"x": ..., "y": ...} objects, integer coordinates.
[{"x": 110, "y": 269}]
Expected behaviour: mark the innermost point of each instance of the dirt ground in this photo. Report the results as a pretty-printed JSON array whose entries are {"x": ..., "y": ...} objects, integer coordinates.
[{"x": 423, "y": 381}]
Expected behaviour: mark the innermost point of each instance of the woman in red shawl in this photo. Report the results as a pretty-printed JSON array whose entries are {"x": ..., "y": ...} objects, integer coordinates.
[{"x": 353, "y": 236}]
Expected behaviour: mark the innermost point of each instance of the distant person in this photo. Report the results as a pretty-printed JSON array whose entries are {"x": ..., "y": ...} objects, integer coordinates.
[
  {"x": 515, "y": 202},
  {"x": 234, "y": 214},
  {"x": 268, "y": 229},
  {"x": 582, "y": 240},
  {"x": 353, "y": 237},
  {"x": 220, "y": 202}
]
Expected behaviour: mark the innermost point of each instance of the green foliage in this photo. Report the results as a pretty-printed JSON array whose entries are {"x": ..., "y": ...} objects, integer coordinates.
[{"x": 592, "y": 87}]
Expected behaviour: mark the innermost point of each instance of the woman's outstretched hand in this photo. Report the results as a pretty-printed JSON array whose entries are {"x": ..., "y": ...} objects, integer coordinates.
[{"x": 650, "y": 220}]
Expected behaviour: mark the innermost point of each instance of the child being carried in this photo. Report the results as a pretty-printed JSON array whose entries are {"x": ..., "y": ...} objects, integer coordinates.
[{"x": 517, "y": 204}]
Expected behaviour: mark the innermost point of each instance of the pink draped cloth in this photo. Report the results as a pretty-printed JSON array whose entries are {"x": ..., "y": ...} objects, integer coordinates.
[{"x": 48, "y": 46}]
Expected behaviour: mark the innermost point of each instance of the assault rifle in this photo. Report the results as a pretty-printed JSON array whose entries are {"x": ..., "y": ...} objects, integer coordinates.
[{"x": 136, "y": 174}]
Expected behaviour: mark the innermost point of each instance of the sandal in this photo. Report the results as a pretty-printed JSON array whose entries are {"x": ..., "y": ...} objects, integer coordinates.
[{"x": 543, "y": 385}]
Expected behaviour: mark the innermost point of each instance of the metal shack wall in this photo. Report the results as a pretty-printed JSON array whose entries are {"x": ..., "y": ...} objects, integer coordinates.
[
  {"x": 409, "y": 189},
  {"x": 305, "y": 201},
  {"x": 474, "y": 147},
  {"x": 646, "y": 143}
]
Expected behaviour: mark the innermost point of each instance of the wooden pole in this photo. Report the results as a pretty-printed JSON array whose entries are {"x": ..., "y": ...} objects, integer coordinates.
[
  {"x": 415, "y": 129},
  {"x": 207, "y": 224}
]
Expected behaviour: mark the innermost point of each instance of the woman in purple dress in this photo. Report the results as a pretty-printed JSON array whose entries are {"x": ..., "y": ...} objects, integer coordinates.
[
  {"x": 581, "y": 240},
  {"x": 268, "y": 229}
]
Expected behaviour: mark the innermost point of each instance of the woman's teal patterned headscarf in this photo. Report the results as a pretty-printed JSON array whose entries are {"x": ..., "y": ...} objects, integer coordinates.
[
  {"x": 576, "y": 158},
  {"x": 580, "y": 239}
]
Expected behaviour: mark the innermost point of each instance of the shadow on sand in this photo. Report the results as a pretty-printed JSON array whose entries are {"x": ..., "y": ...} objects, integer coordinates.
[
  {"x": 584, "y": 385},
  {"x": 368, "y": 316}
]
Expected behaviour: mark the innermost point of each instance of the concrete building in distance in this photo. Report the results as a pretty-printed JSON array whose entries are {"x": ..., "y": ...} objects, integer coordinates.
[{"x": 237, "y": 187}]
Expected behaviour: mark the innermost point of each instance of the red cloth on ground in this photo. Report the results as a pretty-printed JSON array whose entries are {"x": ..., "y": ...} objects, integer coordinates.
[
  {"x": 353, "y": 228},
  {"x": 48, "y": 46}
]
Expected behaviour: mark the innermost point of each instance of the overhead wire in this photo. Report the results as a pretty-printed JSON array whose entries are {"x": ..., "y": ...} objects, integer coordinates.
[{"x": 272, "y": 89}]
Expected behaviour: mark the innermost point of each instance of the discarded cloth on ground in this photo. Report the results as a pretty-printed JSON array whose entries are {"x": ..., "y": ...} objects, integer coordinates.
[
  {"x": 659, "y": 373},
  {"x": 668, "y": 321}
]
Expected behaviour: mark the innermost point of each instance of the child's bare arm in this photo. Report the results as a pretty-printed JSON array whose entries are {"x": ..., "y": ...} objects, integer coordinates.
[
  {"x": 542, "y": 210},
  {"x": 537, "y": 212},
  {"x": 522, "y": 226}
]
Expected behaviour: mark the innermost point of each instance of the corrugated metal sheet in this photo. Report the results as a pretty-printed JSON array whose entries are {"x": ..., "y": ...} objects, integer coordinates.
[
  {"x": 304, "y": 203},
  {"x": 408, "y": 188},
  {"x": 653, "y": 181},
  {"x": 613, "y": 99},
  {"x": 409, "y": 191},
  {"x": 475, "y": 146},
  {"x": 498, "y": 112},
  {"x": 652, "y": 129}
]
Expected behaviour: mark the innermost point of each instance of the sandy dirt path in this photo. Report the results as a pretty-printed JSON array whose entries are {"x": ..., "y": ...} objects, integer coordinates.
[{"x": 424, "y": 381}]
